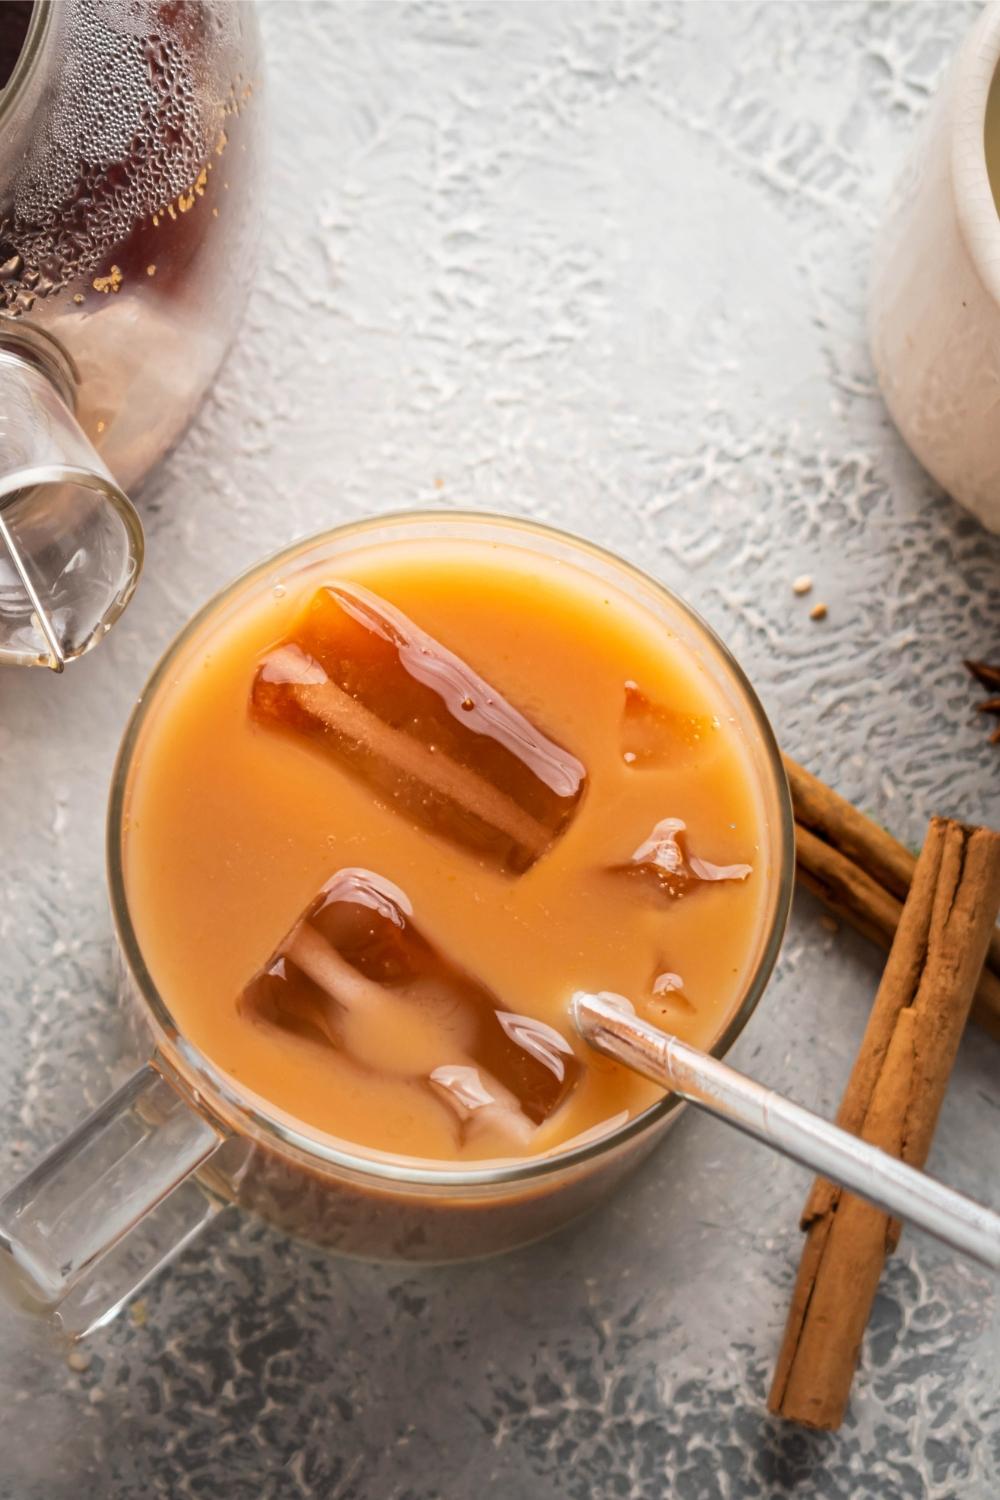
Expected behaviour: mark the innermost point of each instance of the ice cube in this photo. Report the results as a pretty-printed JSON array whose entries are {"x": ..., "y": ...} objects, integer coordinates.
[
  {"x": 415, "y": 722},
  {"x": 668, "y": 983},
  {"x": 653, "y": 736},
  {"x": 356, "y": 974},
  {"x": 669, "y": 999},
  {"x": 480, "y": 1102},
  {"x": 663, "y": 863}
]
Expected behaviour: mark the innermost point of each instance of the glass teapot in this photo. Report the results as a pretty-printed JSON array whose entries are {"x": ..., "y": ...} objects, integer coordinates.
[{"x": 130, "y": 146}]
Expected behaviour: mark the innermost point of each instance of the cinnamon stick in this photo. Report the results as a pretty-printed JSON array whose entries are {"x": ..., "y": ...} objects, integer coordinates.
[
  {"x": 838, "y": 822},
  {"x": 988, "y": 673},
  {"x": 863, "y": 874},
  {"x": 893, "y": 1100}
]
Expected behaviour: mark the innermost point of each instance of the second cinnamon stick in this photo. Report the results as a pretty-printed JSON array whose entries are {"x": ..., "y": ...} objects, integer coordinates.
[
  {"x": 892, "y": 1100},
  {"x": 862, "y": 873}
]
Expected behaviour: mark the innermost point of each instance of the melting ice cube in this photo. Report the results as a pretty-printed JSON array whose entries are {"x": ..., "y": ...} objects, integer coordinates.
[
  {"x": 670, "y": 1000},
  {"x": 356, "y": 974},
  {"x": 416, "y": 723},
  {"x": 653, "y": 735},
  {"x": 664, "y": 864}
]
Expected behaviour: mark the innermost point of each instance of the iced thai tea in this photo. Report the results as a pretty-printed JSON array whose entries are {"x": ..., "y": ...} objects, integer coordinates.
[{"x": 386, "y": 818}]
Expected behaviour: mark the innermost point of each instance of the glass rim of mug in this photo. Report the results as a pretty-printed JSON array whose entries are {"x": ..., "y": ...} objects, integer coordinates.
[{"x": 213, "y": 1089}]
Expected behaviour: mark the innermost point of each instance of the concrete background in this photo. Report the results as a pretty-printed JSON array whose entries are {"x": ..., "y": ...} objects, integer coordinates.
[{"x": 605, "y": 265}]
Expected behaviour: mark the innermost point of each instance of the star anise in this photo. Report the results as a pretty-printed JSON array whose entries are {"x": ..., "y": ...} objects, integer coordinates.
[{"x": 989, "y": 677}]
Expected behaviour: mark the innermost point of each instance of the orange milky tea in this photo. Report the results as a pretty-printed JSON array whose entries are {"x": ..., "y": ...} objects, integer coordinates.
[{"x": 382, "y": 821}]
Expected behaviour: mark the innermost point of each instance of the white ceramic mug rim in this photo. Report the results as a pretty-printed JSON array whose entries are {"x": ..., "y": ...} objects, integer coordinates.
[{"x": 978, "y": 219}]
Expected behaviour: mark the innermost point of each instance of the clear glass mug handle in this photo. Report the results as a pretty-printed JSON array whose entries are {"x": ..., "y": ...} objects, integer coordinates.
[{"x": 110, "y": 1205}]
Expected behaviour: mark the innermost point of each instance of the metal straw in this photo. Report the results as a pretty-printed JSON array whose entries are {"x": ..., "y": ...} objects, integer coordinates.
[{"x": 609, "y": 1024}]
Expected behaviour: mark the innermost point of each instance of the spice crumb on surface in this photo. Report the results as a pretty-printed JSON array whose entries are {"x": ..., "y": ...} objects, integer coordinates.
[
  {"x": 137, "y": 1312},
  {"x": 818, "y": 612},
  {"x": 828, "y": 923},
  {"x": 802, "y": 584},
  {"x": 78, "y": 1360}
]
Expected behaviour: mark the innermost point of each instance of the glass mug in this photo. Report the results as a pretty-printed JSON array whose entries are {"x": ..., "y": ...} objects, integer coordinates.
[{"x": 152, "y": 1165}]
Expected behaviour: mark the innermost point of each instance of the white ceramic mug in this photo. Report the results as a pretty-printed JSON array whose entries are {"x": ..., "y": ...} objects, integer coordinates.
[{"x": 935, "y": 302}]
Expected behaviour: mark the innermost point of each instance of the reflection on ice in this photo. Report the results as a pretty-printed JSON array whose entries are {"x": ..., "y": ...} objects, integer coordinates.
[{"x": 480, "y": 1101}]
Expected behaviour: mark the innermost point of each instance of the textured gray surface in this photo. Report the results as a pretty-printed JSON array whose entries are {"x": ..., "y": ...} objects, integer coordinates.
[{"x": 604, "y": 265}]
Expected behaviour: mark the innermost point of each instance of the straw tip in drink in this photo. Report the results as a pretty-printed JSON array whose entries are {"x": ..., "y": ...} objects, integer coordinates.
[{"x": 585, "y": 1008}]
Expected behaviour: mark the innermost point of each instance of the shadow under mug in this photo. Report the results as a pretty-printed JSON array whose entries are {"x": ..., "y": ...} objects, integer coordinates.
[{"x": 152, "y": 1165}]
